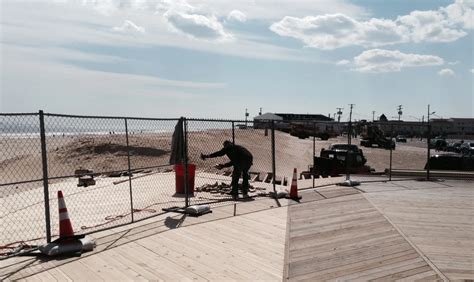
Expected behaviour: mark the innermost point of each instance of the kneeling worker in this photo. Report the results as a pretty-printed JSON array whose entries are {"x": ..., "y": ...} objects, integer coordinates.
[{"x": 241, "y": 159}]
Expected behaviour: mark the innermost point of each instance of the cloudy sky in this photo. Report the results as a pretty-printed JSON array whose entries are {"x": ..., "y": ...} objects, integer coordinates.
[{"x": 195, "y": 58}]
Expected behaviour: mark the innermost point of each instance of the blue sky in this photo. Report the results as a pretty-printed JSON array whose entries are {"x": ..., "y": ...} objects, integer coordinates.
[{"x": 163, "y": 58}]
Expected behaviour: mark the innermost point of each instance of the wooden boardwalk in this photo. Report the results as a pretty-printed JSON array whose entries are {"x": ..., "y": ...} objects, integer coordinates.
[
  {"x": 438, "y": 218},
  {"x": 346, "y": 238},
  {"x": 218, "y": 246},
  {"x": 403, "y": 230}
]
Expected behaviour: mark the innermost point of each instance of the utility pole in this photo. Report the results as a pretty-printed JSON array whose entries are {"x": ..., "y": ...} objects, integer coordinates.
[
  {"x": 399, "y": 108},
  {"x": 349, "y": 129},
  {"x": 339, "y": 113},
  {"x": 373, "y": 116}
]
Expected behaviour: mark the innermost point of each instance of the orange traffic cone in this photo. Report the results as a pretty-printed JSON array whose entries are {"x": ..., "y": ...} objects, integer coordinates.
[
  {"x": 294, "y": 188},
  {"x": 65, "y": 226}
]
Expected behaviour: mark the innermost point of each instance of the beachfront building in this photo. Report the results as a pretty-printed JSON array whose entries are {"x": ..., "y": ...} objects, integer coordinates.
[
  {"x": 289, "y": 122},
  {"x": 450, "y": 127},
  {"x": 456, "y": 127},
  {"x": 265, "y": 120}
]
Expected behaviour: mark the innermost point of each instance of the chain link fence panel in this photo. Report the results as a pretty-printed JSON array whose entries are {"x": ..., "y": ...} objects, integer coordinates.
[{"x": 22, "y": 217}]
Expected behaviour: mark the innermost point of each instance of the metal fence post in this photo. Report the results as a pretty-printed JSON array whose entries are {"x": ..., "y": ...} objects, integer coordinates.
[
  {"x": 185, "y": 151},
  {"x": 314, "y": 150},
  {"x": 129, "y": 169},
  {"x": 273, "y": 157},
  {"x": 45, "y": 177},
  {"x": 428, "y": 153},
  {"x": 391, "y": 140},
  {"x": 233, "y": 133}
]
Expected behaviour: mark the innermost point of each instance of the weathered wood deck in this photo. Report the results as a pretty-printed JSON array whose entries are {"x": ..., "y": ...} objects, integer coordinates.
[
  {"x": 346, "y": 238},
  {"x": 400, "y": 230}
]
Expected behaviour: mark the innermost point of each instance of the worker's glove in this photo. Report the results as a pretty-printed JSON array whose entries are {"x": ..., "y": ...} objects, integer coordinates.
[
  {"x": 203, "y": 157},
  {"x": 219, "y": 166}
]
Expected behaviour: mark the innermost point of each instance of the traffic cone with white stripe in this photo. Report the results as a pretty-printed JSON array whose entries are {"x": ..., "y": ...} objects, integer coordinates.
[
  {"x": 294, "y": 188},
  {"x": 65, "y": 226}
]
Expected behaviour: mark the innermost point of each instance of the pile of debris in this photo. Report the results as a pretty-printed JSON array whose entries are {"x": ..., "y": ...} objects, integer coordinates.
[
  {"x": 85, "y": 177},
  {"x": 223, "y": 188}
]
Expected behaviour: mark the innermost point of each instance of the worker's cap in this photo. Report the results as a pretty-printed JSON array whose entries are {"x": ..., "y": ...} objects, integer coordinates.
[{"x": 227, "y": 143}]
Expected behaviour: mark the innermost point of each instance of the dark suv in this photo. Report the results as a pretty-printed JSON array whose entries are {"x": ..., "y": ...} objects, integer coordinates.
[{"x": 467, "y": 148}]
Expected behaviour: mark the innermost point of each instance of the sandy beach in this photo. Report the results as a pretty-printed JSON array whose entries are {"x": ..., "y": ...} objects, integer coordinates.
[
  {"x": 154, "y": 185},
  {"x": 21, "y": 157}
]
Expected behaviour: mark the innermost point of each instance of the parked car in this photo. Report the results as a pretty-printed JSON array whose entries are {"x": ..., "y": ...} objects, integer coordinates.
[
  {"x": 453, "y": 147},
  {"x": 467, "y": 148},
  {"x": 450, "y": 161},
  {"x": 438, "y": 144},
  {"x": 344, "y": 147},
  {"x": 401, "y": 139}
]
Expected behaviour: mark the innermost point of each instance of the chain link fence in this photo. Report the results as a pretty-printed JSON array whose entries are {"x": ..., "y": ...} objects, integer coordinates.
[{"x": 118, "y": 170}]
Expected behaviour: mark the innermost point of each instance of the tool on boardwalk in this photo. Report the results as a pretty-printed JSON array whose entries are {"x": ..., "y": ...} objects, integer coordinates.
[
  {"x": 67, "y": 243},
  {"x": 196, "y": 210},
  {"x": 294, "y": 188}
]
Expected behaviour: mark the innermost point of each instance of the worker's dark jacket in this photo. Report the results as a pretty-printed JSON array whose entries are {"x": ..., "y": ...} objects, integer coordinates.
[{"x": 239, "y": 157}]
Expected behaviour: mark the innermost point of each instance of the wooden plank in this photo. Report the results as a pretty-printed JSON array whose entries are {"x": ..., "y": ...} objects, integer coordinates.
[
  {"x": 410, "y": 271},
  {"x": 355, "y": 241},
  {"x": 200, "y": 262},
  {"x": 319, "y": 264},
  {"x": 423, "y": 275},
  {"x": 438, "y": 221},
  {"x": 161, "y": 267}
]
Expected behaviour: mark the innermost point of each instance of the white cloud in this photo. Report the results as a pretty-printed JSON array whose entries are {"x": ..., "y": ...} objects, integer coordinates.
[
  {"x": 461, "y": 12},
  {"x": 343, "y": 62},
  {"x": 446, "y": 72},
  {"x": 453, "y": 63},
  {"x": 197, "y": 26},
  {"x": 338, "y": 30},
  {"x": 379, "y": 60},
  {"x": 236, "y": 15},
  {"x": 260, "y": 10},
  {"x": 472, "y": 70},
  {"x": 431, "y": 26},
  {"x": 331, "y": 31},
  {"x": 129, "y": 27}
]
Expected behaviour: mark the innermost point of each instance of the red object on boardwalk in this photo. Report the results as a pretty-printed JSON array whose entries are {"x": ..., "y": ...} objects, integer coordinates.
[
  {"x": 294, "y": 187},
  {"x": 65, "y": 226}
]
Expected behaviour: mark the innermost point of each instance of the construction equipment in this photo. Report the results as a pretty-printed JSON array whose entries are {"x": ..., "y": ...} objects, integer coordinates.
[{"x": 371, "y": 134}]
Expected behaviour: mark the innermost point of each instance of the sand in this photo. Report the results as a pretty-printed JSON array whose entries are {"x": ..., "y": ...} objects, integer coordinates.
[{"x": 20, "y": 158}]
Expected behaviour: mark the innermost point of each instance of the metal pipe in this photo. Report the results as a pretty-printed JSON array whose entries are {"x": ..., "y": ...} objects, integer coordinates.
[
  {"x": 129, "y": 169},
  {"x": 391, "y": 138},
  {"x": 185, "y": 151},
  {"x": 44, "y": 159},
  {"x": 428, "y": 153},
  {"x": 233, "y": 133},
  {"x": 273, "y": 157},
  {"x": 314, "y": 150}
]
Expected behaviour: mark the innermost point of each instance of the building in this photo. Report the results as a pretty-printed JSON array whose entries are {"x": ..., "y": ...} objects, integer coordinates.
[
  {"x": 285, "y": 122},
  {"x": 455, "y": 127},
  {"x": 287, "y": 117},
  {"x": 451, "y": 127}
]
